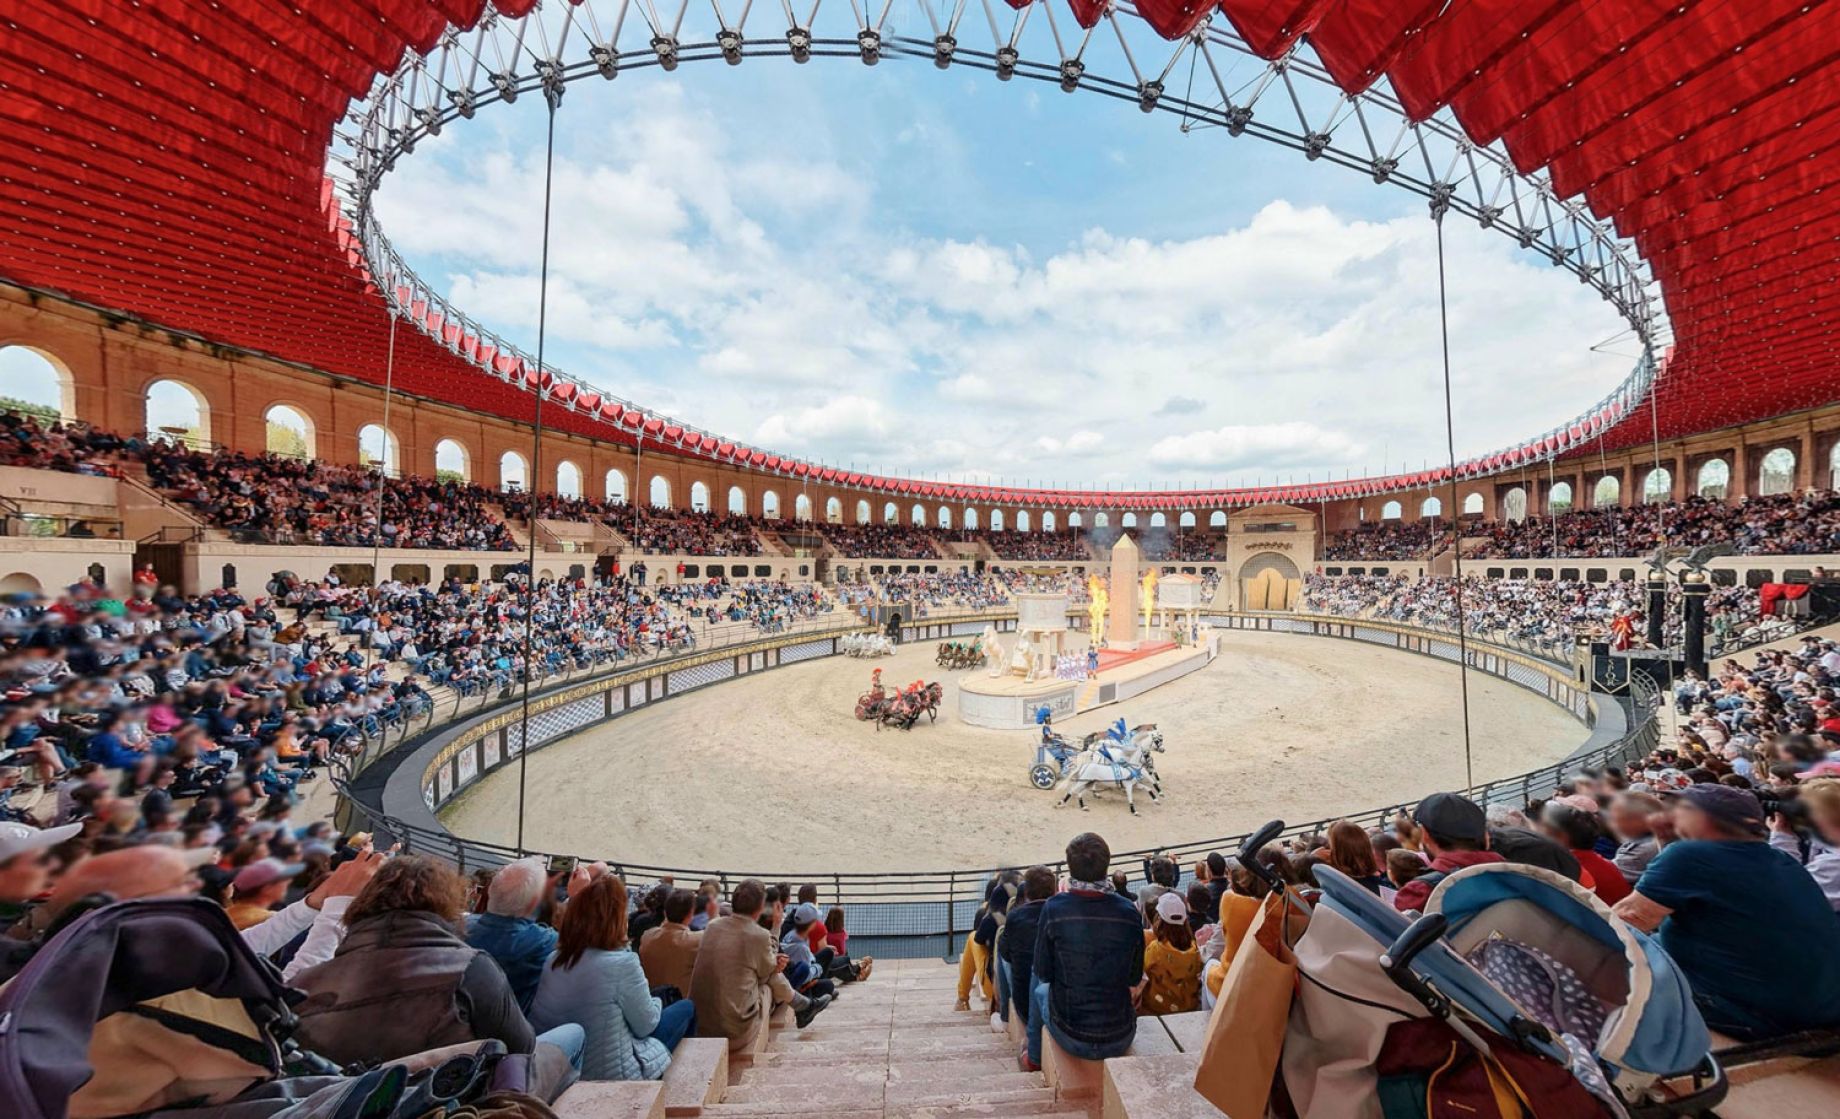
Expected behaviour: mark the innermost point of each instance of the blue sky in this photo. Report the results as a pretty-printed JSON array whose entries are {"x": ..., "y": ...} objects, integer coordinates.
[{"x": 937, "y": 273}]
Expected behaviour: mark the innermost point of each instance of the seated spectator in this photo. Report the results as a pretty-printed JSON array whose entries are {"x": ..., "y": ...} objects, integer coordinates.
[
  {"x": 1016, "y": 947},
  {"x": 1089, "y": 958},
  {"x": 737, "y": 978},
  {"x": 595, "y": 981},
  {"x": 1568, "y": 822},
  {"x": 1350, "y": 851},
  {"x": 1818, "y": 853},
  {"x": 1172, "y": 964},
  {"x": 1636, "y": 845},
  {"x": 668, "y": 952},
  {"x": 1750, "y": 929},
  {"x": 809, "y": 972},
  {"x": 403, "y": 981},
  {"x": 1455, "y": 834},
  {"x": 259, "y": 887},
  {"x": 508, "y": 930},
  {"x": 25, "y": 867}
]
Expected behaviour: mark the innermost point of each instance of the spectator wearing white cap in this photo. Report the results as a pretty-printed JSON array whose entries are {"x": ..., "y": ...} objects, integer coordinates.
[
  {"x": 1172, "y": 963},
  {"x": 25, "y": 872},
  {"x": 259, "y": 887}
]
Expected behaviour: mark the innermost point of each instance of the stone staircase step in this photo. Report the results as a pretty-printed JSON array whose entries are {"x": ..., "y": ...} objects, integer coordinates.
[
  {"x": 946, "y": 1096},
  {"x": 956, "y": 1089},
  {"x": 1160, "y": 1087},
  {"x": 696, "y": 1077},
  {"x": 842, "y": 1092},
  {"x": 612, "y": 1099},
  {"x": 1016, "y": 1109}
]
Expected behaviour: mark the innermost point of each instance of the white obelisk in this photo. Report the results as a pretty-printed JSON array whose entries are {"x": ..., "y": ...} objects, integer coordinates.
[{"x": 1121, "y": 630}]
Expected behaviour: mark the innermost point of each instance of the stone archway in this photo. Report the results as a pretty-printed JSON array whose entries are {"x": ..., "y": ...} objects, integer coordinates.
[{"x": 1269, "y": 581}]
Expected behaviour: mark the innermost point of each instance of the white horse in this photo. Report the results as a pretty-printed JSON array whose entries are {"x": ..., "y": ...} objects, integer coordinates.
[{"x": 1108, "y": 763}]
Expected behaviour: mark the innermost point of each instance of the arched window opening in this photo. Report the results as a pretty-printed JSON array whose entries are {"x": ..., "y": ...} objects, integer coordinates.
[
  {"x": 178, "y": 413},
  {"x": 378, "y": 450},
  {"x": 1431, "y": 507},
  {"x": 1047, "y": 522},
  {"x": 451, "y": 463},
  {"x": 917, "y": 515},
  {"x": 945, "y": 516},
  {"x": 971, "y": 519},
  {"x": 616, "y": 487},
  {"x": 891, "y": 514},
  {"x": 1514, "y": 505},
  {"x": 1658, "y": 487},
  {"x": 568, "y": 479},
  {"x": 1158, "y": 520},
  {"x": 1714, "y": 479},
  {"x": 1022, "y": 520},
  {"x": 287, "y": 432},
  {"x": 34, "y": 383},
  {"x": 996, "y": 520},
  {"x": 1392, "y": 511},
  {"x": 862, "y": 512},
  {"x": 1777, "y": 474},
  {"x": 1186, "y": 520},
  {"x": 1609, "y": 492},
  {"x": 513, "y": 472},
  {"x": 1833, "y": 468},
  {"x": 1129, "y": 520},
  {"x": 1560, "y": 499},
  {"x": 1472, "y": 505},
  {"x": 737, "y": 502},
  {"x": 833, "y": 512},
  {"x": 1217, "y": 519},
  {"x": 769, "y": 506},
  {"x": 1100, "y": 520},
  {"x": 699, "y": 497},
  {"x": 660, "y": 494}
]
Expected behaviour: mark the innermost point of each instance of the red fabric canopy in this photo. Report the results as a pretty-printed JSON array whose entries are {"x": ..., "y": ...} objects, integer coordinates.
[{"x": 167, "y": 161}]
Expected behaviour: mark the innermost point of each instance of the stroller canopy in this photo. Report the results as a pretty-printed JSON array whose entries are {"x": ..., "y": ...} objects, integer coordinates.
[{"x": 1652, "y": 1027}]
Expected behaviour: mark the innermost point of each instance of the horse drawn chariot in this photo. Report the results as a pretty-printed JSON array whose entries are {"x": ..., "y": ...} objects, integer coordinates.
[
  {"x": 962, "y": 654},
  {"x": 900, "y": 707},
  {"x": 1118, "y": 756}
]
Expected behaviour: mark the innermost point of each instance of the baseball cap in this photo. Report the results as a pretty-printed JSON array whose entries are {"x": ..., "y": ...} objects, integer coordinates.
[
  {"x": 804, "y": 914},
  {"x": 19, "y": 839},
  {"x": 1453, "y": 816},
  {"x": 264, "y": 872},
  {"x": 1737, "y": 808},
  {"x": 1172, "y": 909}
]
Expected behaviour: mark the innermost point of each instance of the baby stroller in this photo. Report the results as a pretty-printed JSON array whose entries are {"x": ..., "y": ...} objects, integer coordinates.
[{"x": 1516, "y": 985}]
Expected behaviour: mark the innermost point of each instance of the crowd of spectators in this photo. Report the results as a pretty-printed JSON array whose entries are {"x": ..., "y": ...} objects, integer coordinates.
[
  {"x": 1187, "y": 546},
  {"x": 1552, "y": 613},
  {"x": 664, "y": 531},
  {"x": 1047, "y": 547},
  {"x": 884, "y": 541},
  {"x": 1398, "y": 541},
  {"x": 1779, "y": 524}
]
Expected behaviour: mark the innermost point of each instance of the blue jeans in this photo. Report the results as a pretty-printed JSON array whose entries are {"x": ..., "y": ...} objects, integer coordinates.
[
  {"x": 675, "y": 1024},
  {"x": 569, "y": 1038},
  {"x": 1003, "y": 988},
  {"x": 1038, "y": 1018}
]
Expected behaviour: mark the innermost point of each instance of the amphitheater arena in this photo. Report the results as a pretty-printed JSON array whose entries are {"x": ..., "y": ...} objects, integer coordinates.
[{"x": 319, "y": 585}]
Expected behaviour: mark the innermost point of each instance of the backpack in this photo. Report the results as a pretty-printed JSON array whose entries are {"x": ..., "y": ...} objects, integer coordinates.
[{"x": 157, "y": 1007}]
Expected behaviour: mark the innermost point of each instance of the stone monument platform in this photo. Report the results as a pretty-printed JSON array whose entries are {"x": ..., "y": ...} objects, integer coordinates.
[{"x": 1009, "y": 702}]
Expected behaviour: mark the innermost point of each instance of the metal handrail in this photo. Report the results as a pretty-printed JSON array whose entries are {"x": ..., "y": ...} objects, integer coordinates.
[{"x": 944, "y": 885}]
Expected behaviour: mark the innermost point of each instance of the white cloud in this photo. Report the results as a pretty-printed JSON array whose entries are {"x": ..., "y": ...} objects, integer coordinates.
[
  {"x": 765, "y": 290},
  {"x": 1246, "y": 446}
]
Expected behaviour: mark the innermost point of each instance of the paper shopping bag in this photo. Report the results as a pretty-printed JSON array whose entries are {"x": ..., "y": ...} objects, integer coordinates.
[{"x": 1246, "y": 1032}]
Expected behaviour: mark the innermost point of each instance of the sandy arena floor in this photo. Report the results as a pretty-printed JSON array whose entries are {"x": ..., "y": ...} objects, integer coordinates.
[{"x": 773, "y": 774}]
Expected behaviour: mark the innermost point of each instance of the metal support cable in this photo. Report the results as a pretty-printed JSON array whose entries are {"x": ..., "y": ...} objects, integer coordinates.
[
  {"x": 1450, "y": 440},
  {"x": 383, "y": 479},
  {"x": 530, "y": 486}
]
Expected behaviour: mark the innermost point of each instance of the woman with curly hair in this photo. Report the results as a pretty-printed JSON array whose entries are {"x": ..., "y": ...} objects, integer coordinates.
[{"x": 404, "y": 980}]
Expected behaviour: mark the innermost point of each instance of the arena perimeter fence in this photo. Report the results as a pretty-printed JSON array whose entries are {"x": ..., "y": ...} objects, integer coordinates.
[{"x": 929, "y": 913}]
